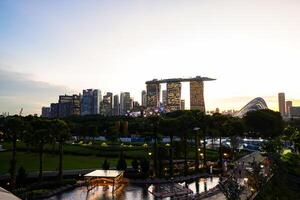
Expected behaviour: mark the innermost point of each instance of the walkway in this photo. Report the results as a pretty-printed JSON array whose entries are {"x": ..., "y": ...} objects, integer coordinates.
[{"x": 255, "y": 156}]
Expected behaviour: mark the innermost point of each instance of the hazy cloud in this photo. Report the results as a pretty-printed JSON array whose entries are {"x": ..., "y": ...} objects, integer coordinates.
[{"x": 18, "y": 90}]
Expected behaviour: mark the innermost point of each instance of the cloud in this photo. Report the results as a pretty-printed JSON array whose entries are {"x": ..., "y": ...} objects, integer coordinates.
[{"x": 19, "y": 90}]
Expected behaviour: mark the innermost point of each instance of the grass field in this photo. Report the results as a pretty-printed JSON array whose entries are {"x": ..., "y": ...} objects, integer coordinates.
[
  {"x": 30, "y": 161},
  {"x": 78, "y": 156}
]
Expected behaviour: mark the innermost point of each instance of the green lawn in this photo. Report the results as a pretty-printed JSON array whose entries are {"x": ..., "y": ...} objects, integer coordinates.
[{"x": 30, "y": 161}]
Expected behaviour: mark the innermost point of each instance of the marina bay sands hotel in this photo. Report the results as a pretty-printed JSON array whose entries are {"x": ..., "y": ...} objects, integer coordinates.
[{"x": 174, "y": 92}]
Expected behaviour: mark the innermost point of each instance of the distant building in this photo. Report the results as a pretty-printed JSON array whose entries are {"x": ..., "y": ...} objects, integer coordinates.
[
  {"x": 288, "y": 105},
  {"x": 116, "y": 108},
  {"x": 197, "y": 96},
  {"x": 295, "y": 112},
  {"x": 182, "y": 104},
  {"x": 254, "y": 105},
  {"x": 90, "y": 102},
  {"x": 107, "y": 104},
  {"x": 281, "y": 103},
  {"x": 54, "y": 110},
  {"x": 68, "y": 105},
  {"x": 153, "y": 94},
  {"x": 164, "y": 98},
  {"x": 125, "y": 103},
  {"x": 144, "y": 98},
  {"x": 135, "y": 104},
  {"x": 46, "y": 112},
  {"x": 173, "y": 95}
]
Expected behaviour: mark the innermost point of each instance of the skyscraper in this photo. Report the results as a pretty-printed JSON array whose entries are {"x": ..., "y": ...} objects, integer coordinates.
[
  {"x": 197, "y": 96},
  {"x": 173, "y": 95},
  {"x": 68, "y": 105},
  {"x": 90, "y": 103},
  {"x": 125, "y": 103},
  {"x": 46, "y": 112},
  {"x": 107, "y": 104},
  {"x": 116, "y": 109},
  {"x": 281, "y": 103},
  {"x": 288, "y": 106},
  {"x": 144, "y": 98},
  {"x": 54, "y": 110},
  {"x": 153, "y": 94}
]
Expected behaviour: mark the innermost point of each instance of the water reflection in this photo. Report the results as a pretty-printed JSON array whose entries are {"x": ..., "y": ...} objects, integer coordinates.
[{"x": 129, "y": 192}]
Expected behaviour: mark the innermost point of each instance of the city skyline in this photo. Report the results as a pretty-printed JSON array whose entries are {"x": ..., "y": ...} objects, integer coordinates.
[{"x": 49, "y": 49}]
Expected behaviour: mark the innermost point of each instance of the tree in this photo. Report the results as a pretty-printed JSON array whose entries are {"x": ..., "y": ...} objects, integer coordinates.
[
  {"x": 168, "y": 126},
  {"x": 218, "y": 123},
  {"x": 105, "y": 165},
  {"x": 121, "y": 165},
  {"x": 256, "y": 178},
  {"x": 264, "y": 123},
  {"x": 40, "y": 136},
  {"x": 234, "y": 128},
  {"x": 13, "y": 128},
  {"x": 231, "y": 188},
  {"x": 186, "y": 123},
  {"x": 135, "y": 164},
  {"x": 21, "y": 177},
  {"x": 153, "y": 124},
  {"x": 62, "y": 133},
  {"x": 145, "y": 166}
]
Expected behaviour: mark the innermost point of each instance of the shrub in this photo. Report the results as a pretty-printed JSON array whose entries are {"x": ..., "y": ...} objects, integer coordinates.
[
  {"x": 21, "y": 177},
  {"x": 135, "y": 164}
]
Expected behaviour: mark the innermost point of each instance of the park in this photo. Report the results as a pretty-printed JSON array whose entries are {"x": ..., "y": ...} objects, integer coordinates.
[{"x": 187, "y": 153}]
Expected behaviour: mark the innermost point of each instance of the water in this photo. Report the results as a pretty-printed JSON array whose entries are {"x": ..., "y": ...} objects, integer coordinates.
[{"x": 129, "y": 192}]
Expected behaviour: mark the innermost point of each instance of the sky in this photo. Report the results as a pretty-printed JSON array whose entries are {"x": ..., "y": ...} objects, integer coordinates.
[{"x": 53, "y": 47}]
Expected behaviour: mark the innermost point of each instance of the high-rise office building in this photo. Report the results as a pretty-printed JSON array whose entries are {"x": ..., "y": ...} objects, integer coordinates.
[
  {"x": 90, "y": 102},
  {"x": 153, "y": 94},
  {"x": 116, "y": 109},
  {"x": 125, "y": 103},
  {"x": 68, "y": 105},
  {"x": 182, "y": 104},
  {"x": 46, "y": 112},
  {"x": 173, "y": 95},
  {"x": 135, "y": 104},
  {"x": 144, "y": 98},
  {"x": 164, "y": 98},
  {"x": 295, "y": 112},
  {"x": 54, "y": 110},
  {"x": 107, "y": 104},
  {"x": 288, "y": 105},
  {"x": 281, "y": 103},
  {"x": 197, "y": 96}
]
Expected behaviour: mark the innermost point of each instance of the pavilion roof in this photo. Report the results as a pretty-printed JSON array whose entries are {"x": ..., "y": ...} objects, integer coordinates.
[{"x": 104, "y": 173}]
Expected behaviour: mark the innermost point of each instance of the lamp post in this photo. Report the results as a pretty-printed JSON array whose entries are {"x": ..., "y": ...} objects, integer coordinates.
[{"x": 196, "y": 129}]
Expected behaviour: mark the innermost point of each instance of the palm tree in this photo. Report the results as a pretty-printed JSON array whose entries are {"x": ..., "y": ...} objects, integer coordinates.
[
  {"x": 62, "y": 133},
  {"x": 154, "y": 124},
  {"x": 13, "y": 127},
  {"x": 219, "y": 122},
  {"x": 186, "y": 124},
  {"x": 168, "y": 126}
]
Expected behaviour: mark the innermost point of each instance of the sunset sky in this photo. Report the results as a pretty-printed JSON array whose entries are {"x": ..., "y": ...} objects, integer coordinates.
[{"x": 52, "y": 47}]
